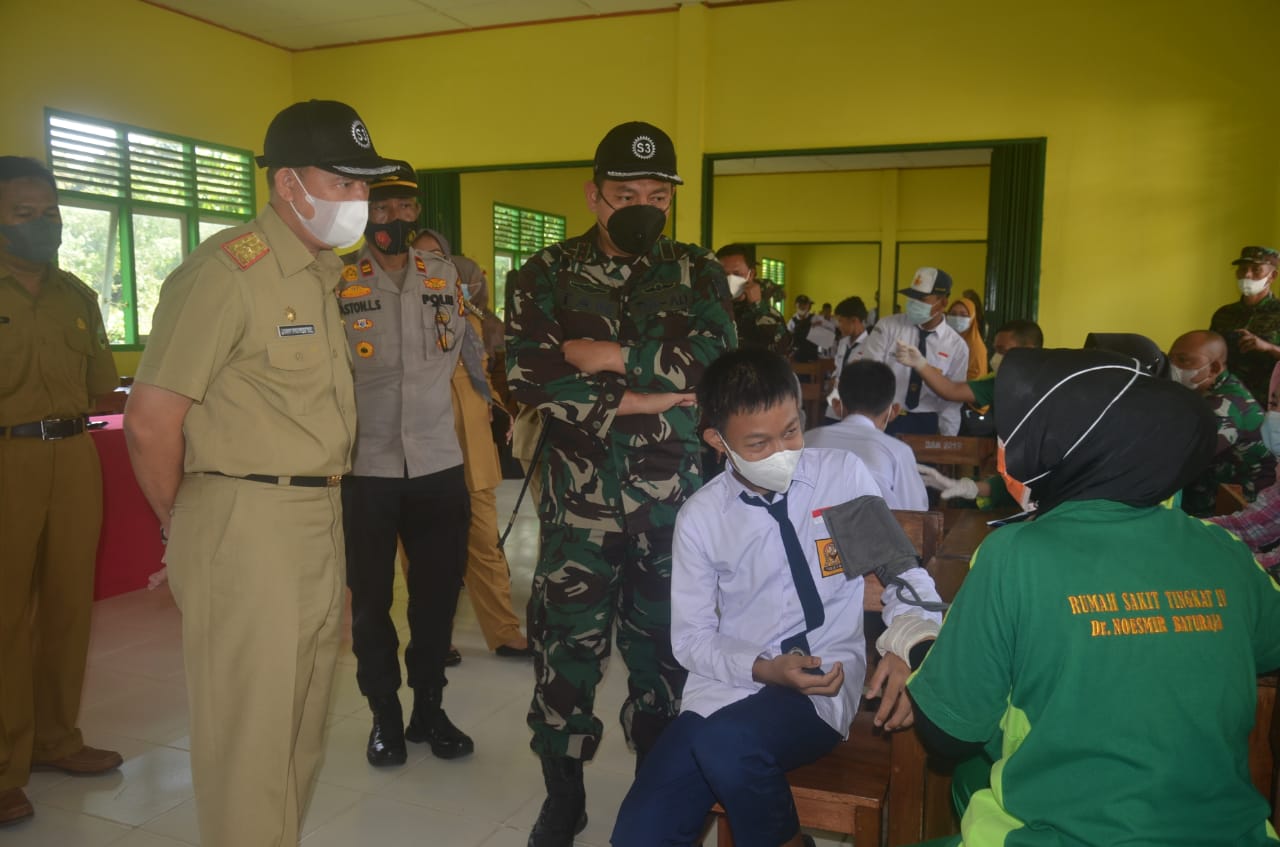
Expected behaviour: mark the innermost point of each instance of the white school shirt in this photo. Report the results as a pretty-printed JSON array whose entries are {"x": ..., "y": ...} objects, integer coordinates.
[
  {"x": 845, "y": 348},
  {"x": 945, "y": 350},
  {"x": 733, "y": 599},
  {"x": 890, "y": 461}
]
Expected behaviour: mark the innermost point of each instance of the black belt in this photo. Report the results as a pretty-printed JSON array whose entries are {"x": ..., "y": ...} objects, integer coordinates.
[
  {"x": 298, "y": 481},
  {"x": 49, "y": 429}
]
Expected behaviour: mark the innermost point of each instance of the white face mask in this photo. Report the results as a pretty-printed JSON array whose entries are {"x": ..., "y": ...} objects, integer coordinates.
[
  {"x": 1271, "y": 432},
  {"x": 772, "y": 473},
  {"x": 1185, "y": 377},
  {"x": 960, "y": 323},
  {"x": 337, "y": 223},
  {"x": 1251, "y": 287},
  {"x": 918, "y": 311},
  {"x": 736, "y": 284}
]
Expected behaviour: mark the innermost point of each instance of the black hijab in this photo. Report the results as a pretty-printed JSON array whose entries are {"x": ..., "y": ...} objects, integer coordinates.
[{"x": 1137, "y": 439}]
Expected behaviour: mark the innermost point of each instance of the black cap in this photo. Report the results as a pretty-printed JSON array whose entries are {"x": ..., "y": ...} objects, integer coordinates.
[
  {"x": 637, "y": 150},
  {"x": 322, "y": 134},
  {"x": 402, "y": 182}
]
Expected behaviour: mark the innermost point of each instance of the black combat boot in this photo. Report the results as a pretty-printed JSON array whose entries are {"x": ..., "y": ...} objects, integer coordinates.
[
  {"x": 429, "y": 723},
  {"x": 386, "y": 739},
  {"x": 564, "y": 812}
]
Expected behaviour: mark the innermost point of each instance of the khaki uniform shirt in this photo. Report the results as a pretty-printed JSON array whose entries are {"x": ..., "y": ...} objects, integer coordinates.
[
  {"x": 248, "y": 328},
  {"x": 54, "y": 358},
  {"x": 402, "y": 373},
  {"x": 471, "y": 420}
]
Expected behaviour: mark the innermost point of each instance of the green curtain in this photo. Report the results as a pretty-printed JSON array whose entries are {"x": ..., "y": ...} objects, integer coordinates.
[
  {"x": 441, "y": 198},
  {"x": 1015, "y": 214}
]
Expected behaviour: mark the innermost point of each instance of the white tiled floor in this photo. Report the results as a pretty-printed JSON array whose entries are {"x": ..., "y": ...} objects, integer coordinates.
[{"x": 135, "y": 702}]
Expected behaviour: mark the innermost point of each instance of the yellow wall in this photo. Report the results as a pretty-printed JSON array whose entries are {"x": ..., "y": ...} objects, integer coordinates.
[
  {"x": 1160, "y": 160},
  {"x": 880, "y": 207}
]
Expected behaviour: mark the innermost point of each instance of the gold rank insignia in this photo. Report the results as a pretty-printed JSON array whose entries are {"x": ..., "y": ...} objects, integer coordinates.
[
  {"x": 349, "y": 273},
  {"x": 829, "y": 557},
  {"x": 362, "y": 324},
  {"x": 435, "y": 283},
  {"x": 421, "y": 265},
  {"x": 366, "y": 268},
  {"x": 246, "y": 249},
  {"x": 354, "y": 291},
  {"x": 364, "y": 349},
  {"x": 80, "y": 324},
  {"x": 290, "y": 314}
]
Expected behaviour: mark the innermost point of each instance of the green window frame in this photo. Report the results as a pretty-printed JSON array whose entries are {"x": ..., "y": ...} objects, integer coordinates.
[
  {"x": 134, "y": 203},
  {"x": 775, "y": 270},
  {"x": 518, "y": 234}
]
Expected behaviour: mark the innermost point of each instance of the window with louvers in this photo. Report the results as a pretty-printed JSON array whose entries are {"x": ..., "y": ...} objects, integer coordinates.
[
  {"x": 135, "y": 202},
  {"x": 517, "y": 235}
]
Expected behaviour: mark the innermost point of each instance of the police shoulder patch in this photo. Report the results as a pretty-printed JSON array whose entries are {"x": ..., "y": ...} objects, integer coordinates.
[{"x": 246, "y": 249}]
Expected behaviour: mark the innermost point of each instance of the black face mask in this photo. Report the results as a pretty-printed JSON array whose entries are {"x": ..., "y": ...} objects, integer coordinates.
[
  {"x": 635, "y": 228},
  {"x": 391, "y": 238},
  {"x": 35, "y": 240}
]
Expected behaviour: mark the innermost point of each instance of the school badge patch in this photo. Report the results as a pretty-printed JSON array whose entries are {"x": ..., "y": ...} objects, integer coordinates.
[
  {"x": 246, "y": 249},
  {"x": 829, "y": 557}
]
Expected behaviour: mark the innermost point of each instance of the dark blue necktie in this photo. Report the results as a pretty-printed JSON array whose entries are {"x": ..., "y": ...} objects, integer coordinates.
[
  {"x": 916, "y": 381},
  {"x": 814, "y": 614}
]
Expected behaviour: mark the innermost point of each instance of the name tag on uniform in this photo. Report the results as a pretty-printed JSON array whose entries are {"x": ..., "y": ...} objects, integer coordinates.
[{"x": 296, "y": 329}]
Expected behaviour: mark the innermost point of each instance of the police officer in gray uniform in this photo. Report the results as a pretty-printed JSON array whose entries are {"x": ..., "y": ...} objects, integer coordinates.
[{"x": 402, "y": 311}]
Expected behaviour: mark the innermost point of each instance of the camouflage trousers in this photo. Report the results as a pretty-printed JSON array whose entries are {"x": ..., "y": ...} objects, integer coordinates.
[{"x": 587, "y": 581}]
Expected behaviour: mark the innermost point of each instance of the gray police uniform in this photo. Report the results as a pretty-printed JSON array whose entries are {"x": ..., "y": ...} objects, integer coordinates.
[{"x": 407, "y": 478}]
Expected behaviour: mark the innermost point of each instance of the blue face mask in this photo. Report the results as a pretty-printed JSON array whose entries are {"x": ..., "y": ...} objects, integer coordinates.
[
  {"x": 1270, "y": 432},
  {"x": 36, "y": 240},
  {"x": 918, "y": 311}
]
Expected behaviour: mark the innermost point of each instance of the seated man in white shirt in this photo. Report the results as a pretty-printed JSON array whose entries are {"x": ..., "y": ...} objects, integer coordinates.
[
  {"x": 765, "y": 621},
  {"x": 922, "y": 324},
  {"x": 866, "y": 393},
  {"x": 851, "y": 317}
]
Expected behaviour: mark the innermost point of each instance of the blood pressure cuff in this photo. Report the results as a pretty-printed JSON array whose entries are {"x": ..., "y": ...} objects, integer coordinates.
[{"x": 870, "y": 539}]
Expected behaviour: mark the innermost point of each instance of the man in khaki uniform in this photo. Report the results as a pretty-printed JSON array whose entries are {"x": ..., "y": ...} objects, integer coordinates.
[
  {"x": 53, "y": 362},
  {"x": 240, "y": 427}
]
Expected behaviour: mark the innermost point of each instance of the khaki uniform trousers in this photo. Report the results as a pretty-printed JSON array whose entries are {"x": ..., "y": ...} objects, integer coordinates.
[
  {"x": 258, "y": 572},
  {"x": 50, "y": 516}
]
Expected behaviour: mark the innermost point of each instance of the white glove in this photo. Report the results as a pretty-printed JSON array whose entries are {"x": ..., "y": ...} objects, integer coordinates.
[
  {"x": 933, "y": 478},
  {"x": 909, "y": 356},
  {"x": 905, "y": 632},
  {"x": 948, "y": 488}
]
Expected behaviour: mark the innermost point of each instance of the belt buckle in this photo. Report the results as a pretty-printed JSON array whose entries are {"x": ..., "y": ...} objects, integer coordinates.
[
  {"x": 44, "y": 430},
  {"x": 332, "y": 480}
]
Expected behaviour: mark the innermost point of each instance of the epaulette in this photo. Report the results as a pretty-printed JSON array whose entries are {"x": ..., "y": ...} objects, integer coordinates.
[
  {"x": 582, "y": 251},
  {"x": 246, "y": 249},
  {"x": 82, "y": 288}
]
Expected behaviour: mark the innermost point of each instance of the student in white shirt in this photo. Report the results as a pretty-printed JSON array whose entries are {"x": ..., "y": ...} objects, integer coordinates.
[
  {"x": 851, "y": 317},
  {"x": 752, "y": 710},
  {"x": 866, "y": 392},
  {"x": 922, "y": 324}
]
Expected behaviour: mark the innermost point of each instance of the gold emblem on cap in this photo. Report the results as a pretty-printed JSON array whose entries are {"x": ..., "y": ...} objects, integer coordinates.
[{"x": 289, "y": 314}]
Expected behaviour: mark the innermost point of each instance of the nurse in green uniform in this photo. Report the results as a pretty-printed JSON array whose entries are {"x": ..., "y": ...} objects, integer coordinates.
[{"x": 1108, "y": 649}]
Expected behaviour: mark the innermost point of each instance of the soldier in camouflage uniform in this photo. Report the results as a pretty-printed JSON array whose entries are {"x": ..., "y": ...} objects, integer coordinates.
[
  {"x": 608, "y": 334},
  {"x": 1198, "y": 360},
  {"x": 759, "y": 324},
  {"x": 1251, "y": 325}
]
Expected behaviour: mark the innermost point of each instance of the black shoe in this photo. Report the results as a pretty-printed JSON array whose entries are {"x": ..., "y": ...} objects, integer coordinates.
[
  {"x": 564, "y": 812},
  {"x": 453, "y": 658},
  {"x": 429, "y": 723},
  {"x": 386, "y": 739},
  {"x": 514, "y": 652}
]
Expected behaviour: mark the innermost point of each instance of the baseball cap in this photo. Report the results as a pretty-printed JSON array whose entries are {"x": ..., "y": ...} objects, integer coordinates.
[
  {"x": 322, "y": 134},
  {"x": 1258, "y": 255},
  {"x": 637, "y": 150},
  {"x": 402, "y": 182},
  {"x": 928, "y": 281}
]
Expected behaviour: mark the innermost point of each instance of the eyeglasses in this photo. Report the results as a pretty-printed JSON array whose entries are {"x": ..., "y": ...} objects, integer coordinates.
[{"x": 446, "y": 338}]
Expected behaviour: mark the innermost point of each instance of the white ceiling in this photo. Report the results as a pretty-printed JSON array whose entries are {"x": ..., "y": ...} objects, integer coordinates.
[
  {"x": 301, "y": 24},
  {"x": 854, "y": 162}
]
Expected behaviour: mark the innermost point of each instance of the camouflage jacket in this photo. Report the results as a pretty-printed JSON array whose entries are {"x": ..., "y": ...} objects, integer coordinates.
[
  {"x": 1263, "y": 320},
  {"x": 1240, "y": 457},
  {"x": 670, "y": 312},
  {"x": 759, "y": 326}
]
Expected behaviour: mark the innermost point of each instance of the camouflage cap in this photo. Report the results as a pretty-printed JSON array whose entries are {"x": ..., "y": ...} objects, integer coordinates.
[{"x": 1258, "y": 256}]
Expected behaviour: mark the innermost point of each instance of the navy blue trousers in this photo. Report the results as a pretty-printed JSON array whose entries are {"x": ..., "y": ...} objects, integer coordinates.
[{"x": 738, "y": 756}]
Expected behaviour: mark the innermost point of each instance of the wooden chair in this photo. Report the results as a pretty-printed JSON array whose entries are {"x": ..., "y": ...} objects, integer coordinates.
[
  {"x": 874, "y": 784},
  {"x": 1229, "y": 500},
  {"x": 813, "y": 391},
  {"x": 957, "y": 451}
]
